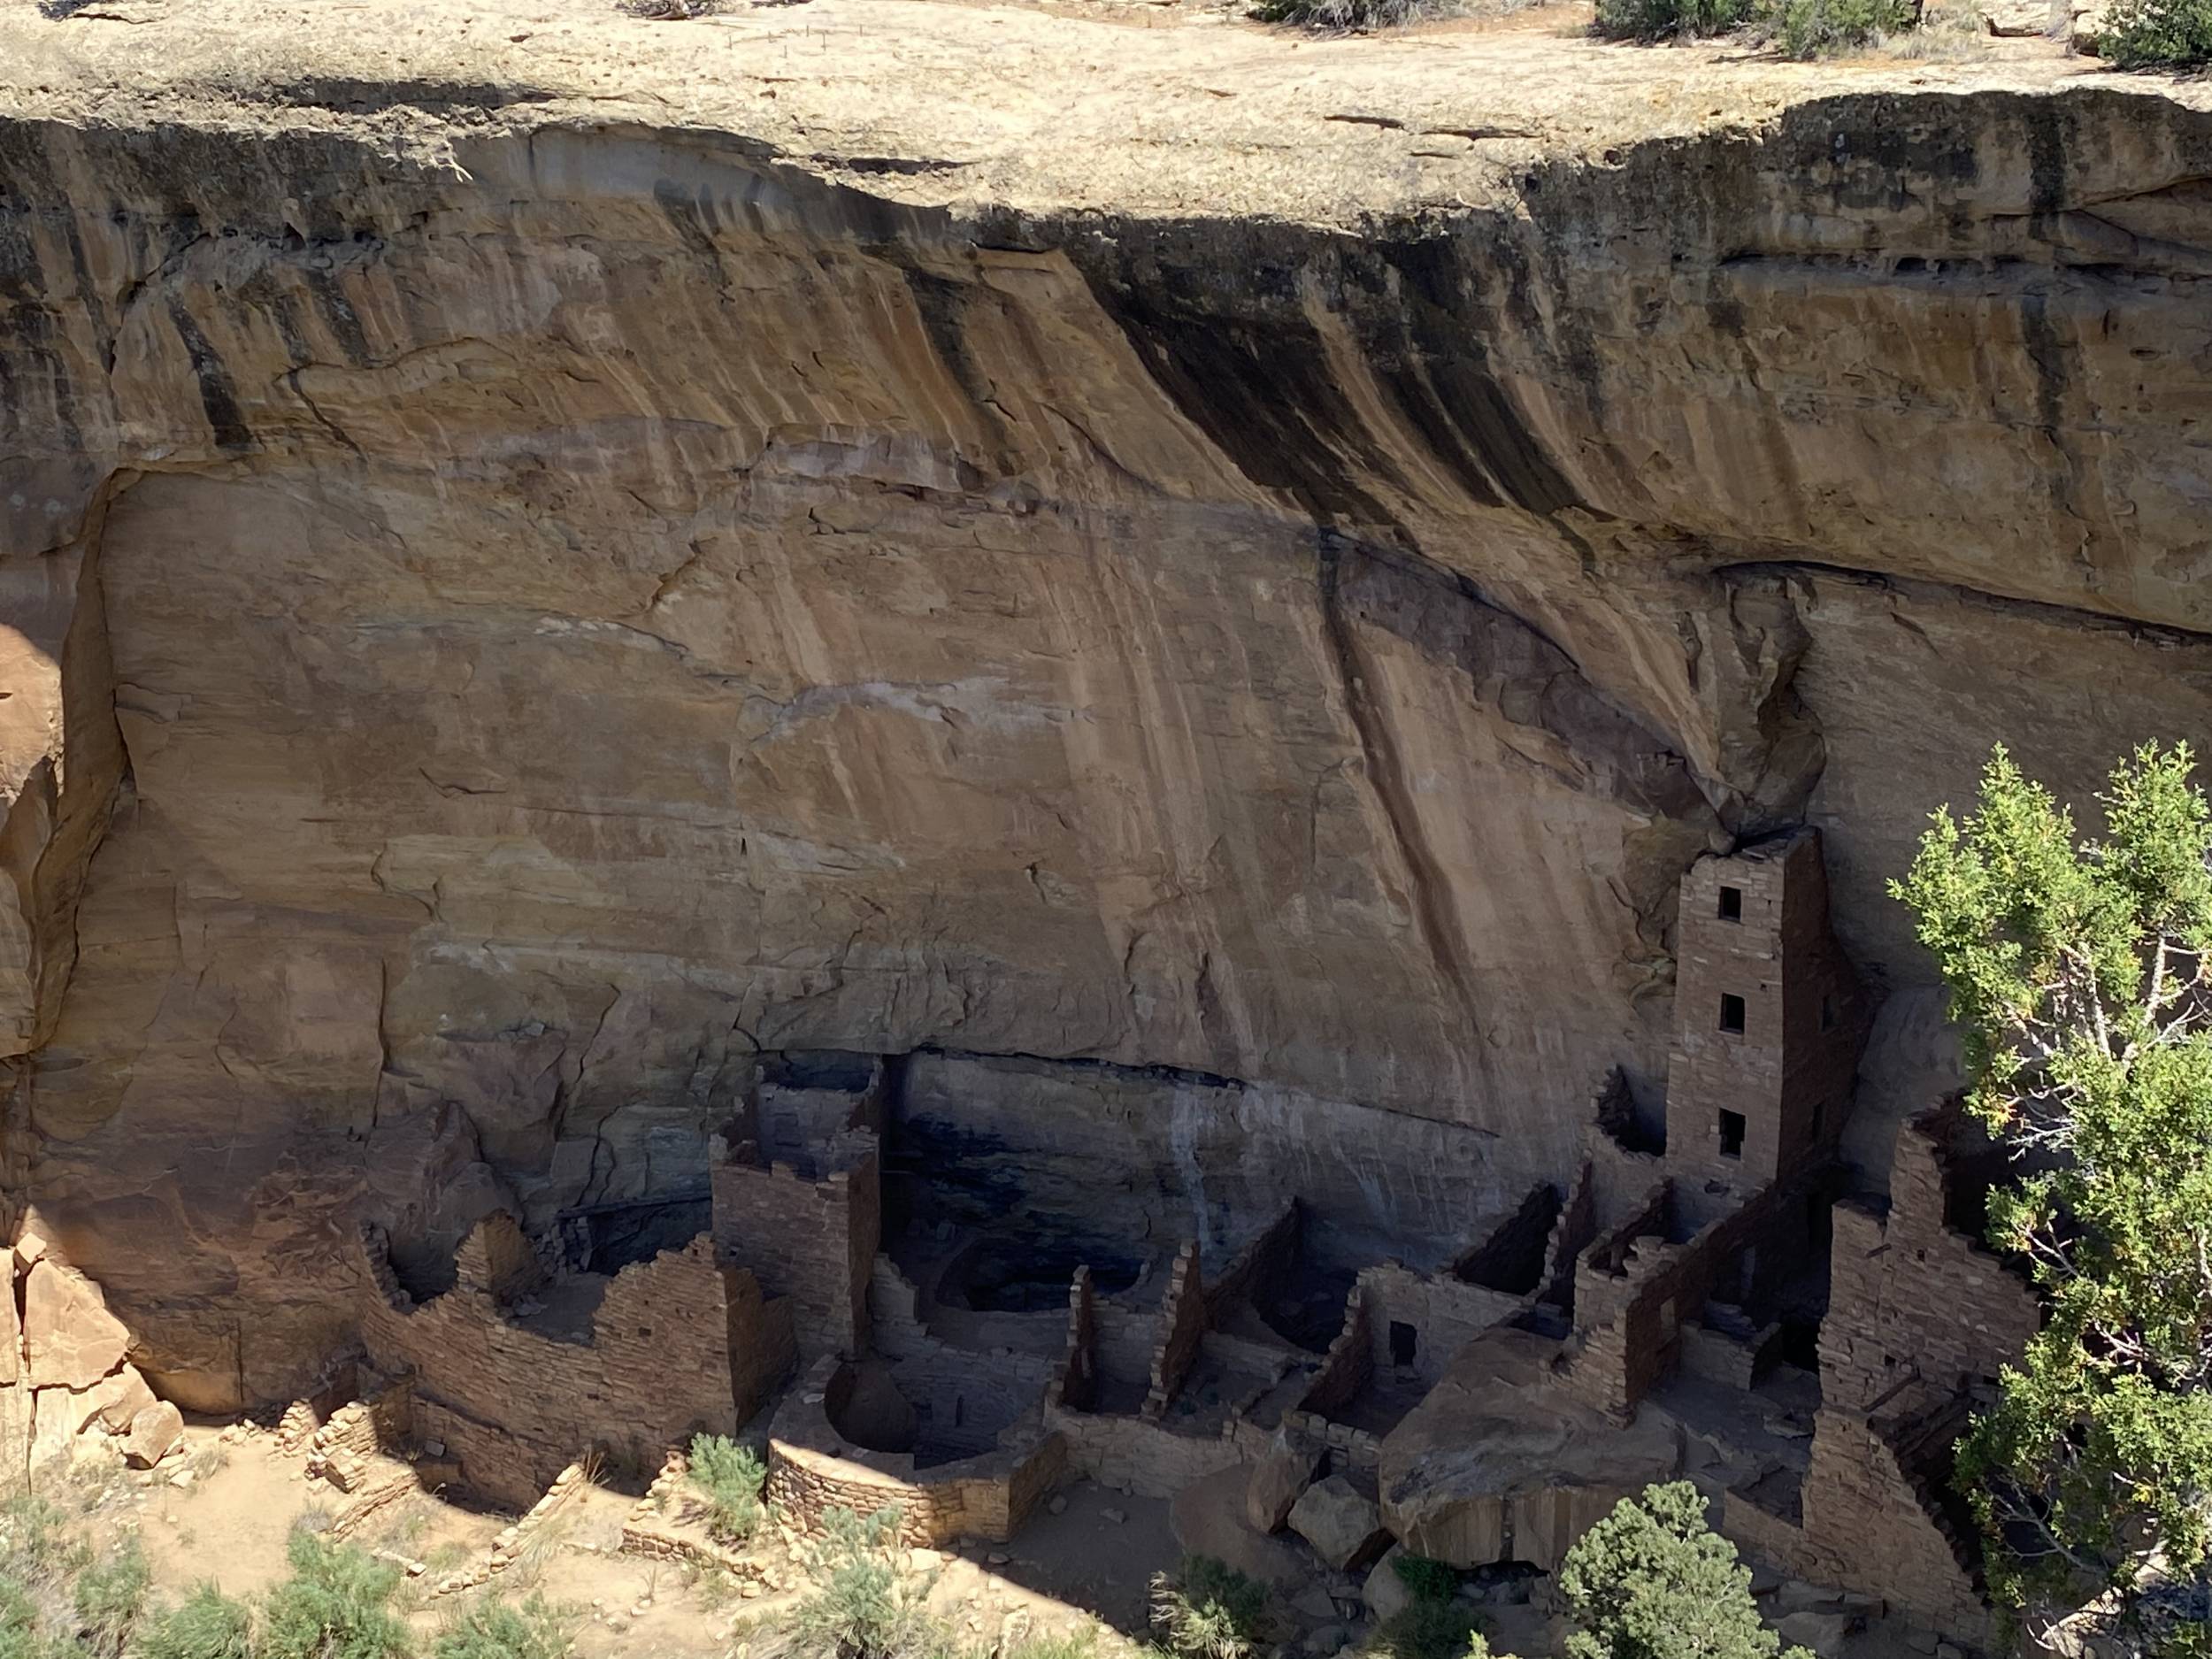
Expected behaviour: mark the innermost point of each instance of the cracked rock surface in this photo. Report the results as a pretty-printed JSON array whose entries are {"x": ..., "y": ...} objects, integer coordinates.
[{"x": 547, "y": 556}]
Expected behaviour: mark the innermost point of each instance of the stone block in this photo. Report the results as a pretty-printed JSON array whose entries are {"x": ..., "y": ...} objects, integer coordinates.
[
  {"x": 154, "y": 1434},
  {"x": 1384, "y": 1592},
  {"x": 1279, "y": 1480},
  {"x": 1822, "y": 1632},
  {"x": 1341, "y": 1522}
]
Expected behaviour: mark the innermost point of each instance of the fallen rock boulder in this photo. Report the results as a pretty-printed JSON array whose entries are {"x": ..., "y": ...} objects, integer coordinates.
[
  {"x": 1386, "y": 1593},
  {"x": 1341, "y": 1523},
  {"x": 155, "y": 1432},
  {"x": 1822, "y": 1632},
  {"x": 1278, "y": 1481}
]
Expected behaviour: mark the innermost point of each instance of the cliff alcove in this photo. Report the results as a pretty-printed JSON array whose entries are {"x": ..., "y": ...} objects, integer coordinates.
[{"x": 1062, "y": 695}]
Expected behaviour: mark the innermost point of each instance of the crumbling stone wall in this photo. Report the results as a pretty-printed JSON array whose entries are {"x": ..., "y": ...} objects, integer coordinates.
[
  {"x": 1512, "y": 1258},
  {"x": 1573, "y": 1232},
  {"x": 677, "y": 1344},
  {"x": 1076, "y": 1388},
  {"x": 1630, "y": 1303},
  {"x": 1917, "y": 1313},
  {"x": 810, "y": 1233},
  {"x": 1445, "y": 1314},
  {"x": 1182, "y": 1329},
  {"x": 1349, "y": 1364},
  {"x": 1875, "y": 1522},
  {"x": 1152, "y": 1459},
  {"x": 1261, "y": 1263},
  {"x": 1908, "y": 1297}
]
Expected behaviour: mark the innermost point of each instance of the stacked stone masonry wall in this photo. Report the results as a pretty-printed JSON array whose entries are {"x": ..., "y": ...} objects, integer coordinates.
[
  {"x": 813, "y": 1468},
  {"x": 1602, "y": 1287},
  {"x": 1662, "y": 1287},
  {"x": 1790, "y": 1070},
  {"x": 1870, "y": 1526},
  {"x": 679, "y": 1344},
  {"x": 1517, "y": 1246},
  {"x": 1445, "y": 1314},
  {"x": 1573, "y": 1232},
  {"x": 494, "y": 1260},
  {"x": 1349, "y": 1364},
  {"x": 1076, "y": 1384},
  {"x": 1259, "y": 1264},
  {"x": 1911, "y": 1298},
  {"x": 1146, "y": 1458},
  {"x": 1182, "y": 1328},
  {"x": 667, "y": 1525},
  {"x": 812, "y": 1241}
]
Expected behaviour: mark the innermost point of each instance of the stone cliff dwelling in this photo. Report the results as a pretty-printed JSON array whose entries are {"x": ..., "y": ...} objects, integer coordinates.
[
  {"x": 1056, "y": 754},
  {"x": 926, "y": 1312}
]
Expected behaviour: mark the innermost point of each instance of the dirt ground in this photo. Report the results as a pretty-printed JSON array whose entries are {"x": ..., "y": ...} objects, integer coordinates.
[{"x": 224, "y": 1509}]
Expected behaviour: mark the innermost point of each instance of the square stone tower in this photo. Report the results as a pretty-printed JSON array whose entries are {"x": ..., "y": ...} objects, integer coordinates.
[{"x": 1767, "y": 1021}]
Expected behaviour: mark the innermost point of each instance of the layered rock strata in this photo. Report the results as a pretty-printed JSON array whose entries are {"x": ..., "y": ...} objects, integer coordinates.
[{"x": 537, "y": 577}]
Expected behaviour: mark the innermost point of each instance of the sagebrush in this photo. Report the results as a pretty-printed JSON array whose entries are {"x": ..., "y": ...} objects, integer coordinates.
[
  {"x": 206, "y": 1624},
  {"x": 2158, "y": 35},
  {"x": 492, "y": 1630},
  {"x": 1207, "y": 1609},
  {"x": 730, "y": 1477},
  {"x": 1350, "y": 14},
  {"x": 337, "y": 1604}
]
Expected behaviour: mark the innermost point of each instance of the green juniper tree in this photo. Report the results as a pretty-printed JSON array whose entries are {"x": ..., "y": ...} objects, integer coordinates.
[
  {"x": 1652, "y": 1581},
  {"x": 2079, "y": 976}
]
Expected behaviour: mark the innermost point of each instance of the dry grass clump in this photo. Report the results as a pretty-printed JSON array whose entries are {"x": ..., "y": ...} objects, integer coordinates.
[{"x": 1350, "y": 14}]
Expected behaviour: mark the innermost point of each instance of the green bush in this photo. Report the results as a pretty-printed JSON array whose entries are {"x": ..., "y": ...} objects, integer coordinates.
[
  {"x": 19, "y": 1623},
  {"x": 1429, "y": 1629},
  {"x": 1807, "y": 28},
  {"x": 109, "y": 1597},
  {"x": 336, "y": 1605},
  {"x": 1347, "y": 14},
  {"x": 2158, "y": 35},
  {"x": 208, "y": 1624},
  {"x": 1668, "y": 19},
  {"x": 1652, "y": 1581},
  {"x": 36, "y": 1546},
  {"x": 1427, "y": 1578},
  {"x": 492, "y": 1630},
  {"x": 1208, "y": 1611},
  {"x": 731, "y": 1477},
  {"x": 867, "y": 1602}
]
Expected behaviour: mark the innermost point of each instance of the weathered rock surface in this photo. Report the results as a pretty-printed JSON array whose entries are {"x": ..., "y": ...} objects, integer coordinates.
[
  {"x": 1492, "y": 1456},
  {"x": 70, "y": 1339},
  {"x": 1341, "y": 1523},
  {"x": 1219, "y": 578},
  {"x": 1207, "y": 1517},
  {"x": 1384, "y": 1592},
  {"x": 154, "y": 1435},
  {"x": 1277, "y": 1481}
]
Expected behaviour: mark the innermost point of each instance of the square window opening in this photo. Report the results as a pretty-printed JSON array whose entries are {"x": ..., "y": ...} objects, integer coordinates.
[
  {"x": 1404, "y": 1342},
  {"x": 1731, "y": 904},
  {"x": 1731, "y": 1134},
  {"x": 1731, "y": 1013}
]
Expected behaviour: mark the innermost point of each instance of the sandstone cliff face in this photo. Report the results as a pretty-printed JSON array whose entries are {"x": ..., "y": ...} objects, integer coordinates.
[{"x": 502, "y": 634}]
